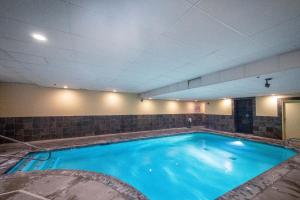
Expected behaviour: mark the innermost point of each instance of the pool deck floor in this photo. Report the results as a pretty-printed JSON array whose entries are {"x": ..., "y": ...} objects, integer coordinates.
[
  {"x": 64, "y": 185},
  {"x": 281, "y": 182}
]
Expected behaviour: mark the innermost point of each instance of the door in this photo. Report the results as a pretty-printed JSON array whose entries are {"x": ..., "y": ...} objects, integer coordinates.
[
  {"x": 292, "y": 119},
  {"x": 243, "y": 115}
]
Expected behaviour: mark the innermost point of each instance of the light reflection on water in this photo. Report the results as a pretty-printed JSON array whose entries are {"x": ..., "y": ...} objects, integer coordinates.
[{"x": 237, "y": 143}]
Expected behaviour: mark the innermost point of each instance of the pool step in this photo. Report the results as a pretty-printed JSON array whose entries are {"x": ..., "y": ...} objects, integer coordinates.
[
  {"x": 32, "y": 164},
  {"x": 40, "y": 165},
  {"x": 50, "y": 164},
  {"x": 55, "y": 163}
]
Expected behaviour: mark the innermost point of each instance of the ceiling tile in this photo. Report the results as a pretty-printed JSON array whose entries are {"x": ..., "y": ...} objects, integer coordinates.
[
  {"x": 16, "y": 30},
  {"x": 52, "y": 14},
  {"x": 134, "y": 14},
  {"x": 36, "y": 49},
  {"x": 9, "y": 75},
  {"x": 253, "y": 16},
  {"x": 154, "y": 63},
  {"x": 4, "y": 55},
  {"x": 197, "y": 29},
  {"x": 6, "y": 5},
  {"x": 279, "y": 34},
  {"x": 193, "y": 2},
  {"x": 27, "y": 58}
]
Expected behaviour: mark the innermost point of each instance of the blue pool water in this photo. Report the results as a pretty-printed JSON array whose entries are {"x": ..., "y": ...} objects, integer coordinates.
[{"x": 190, "y": 166}]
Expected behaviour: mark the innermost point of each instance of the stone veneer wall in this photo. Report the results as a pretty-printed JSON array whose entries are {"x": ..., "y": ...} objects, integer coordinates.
[
  {"x": 220, "y": 122},
  {"x": 267, "y": 126},
  {"x": 40, "y": 128},
  {"x": 270, "y": 127}
]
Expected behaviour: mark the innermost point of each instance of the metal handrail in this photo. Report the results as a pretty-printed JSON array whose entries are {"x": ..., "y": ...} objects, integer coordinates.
[{"x": 29, "y": 145}]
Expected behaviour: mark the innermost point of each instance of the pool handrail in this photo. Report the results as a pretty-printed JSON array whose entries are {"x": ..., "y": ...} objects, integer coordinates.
[{"x": 29, "y": 145}]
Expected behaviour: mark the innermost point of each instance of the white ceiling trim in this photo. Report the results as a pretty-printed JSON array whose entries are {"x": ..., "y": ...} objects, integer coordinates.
[{"x": 275, "y": 64}]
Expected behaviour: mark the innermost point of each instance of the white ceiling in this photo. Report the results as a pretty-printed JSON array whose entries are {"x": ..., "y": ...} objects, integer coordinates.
[{"x": 135, "y": 46}]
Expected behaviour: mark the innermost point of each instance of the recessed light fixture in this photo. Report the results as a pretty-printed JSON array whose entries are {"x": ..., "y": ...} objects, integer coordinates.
[
  {"x": 39, "y": 37},
  {"x": 274, "y": 96},
  {"x": 114, "y": 90},
  {"x": 66, "y": 87}
]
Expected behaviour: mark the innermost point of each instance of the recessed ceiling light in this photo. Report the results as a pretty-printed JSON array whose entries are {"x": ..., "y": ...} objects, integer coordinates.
[
  {"x": 39, "y": 37},
  {"x": 274, "y": 96},
  {"x": 65, "y": 87},
  {"x": 114, "y": 90}
]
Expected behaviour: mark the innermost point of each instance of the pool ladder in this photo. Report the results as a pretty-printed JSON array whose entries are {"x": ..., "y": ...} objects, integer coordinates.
[{"x": 29, "y": 145}]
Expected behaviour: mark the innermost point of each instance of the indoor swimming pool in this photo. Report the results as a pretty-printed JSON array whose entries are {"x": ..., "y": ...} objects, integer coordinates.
[{"x": 187, "y": 166}]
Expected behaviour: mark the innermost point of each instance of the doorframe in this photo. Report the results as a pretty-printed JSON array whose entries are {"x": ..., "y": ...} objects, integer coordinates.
[{"x": 284, "y": 115}]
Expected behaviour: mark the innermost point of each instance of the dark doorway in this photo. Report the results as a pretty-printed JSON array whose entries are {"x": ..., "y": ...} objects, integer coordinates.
[{"x": 243, "y": 115}]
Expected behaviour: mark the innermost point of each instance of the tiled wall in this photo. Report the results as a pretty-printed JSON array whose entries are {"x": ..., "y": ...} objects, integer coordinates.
[
  {"x": 39, "y": 128},
  {"x": 220, "y": 122},
  {"x": 268, "y": 126}
]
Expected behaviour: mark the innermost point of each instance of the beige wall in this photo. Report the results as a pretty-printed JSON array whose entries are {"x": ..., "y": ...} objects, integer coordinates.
[
  {"x": 266, "y": 106},
  {"x": 219, "y": 107},
  {"x": 28, "y": 100},
  {"x": 202, "y": 107},
  {"x": 292, "y": 120}
]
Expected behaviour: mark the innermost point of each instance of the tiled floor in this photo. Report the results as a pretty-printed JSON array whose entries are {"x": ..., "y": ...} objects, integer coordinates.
[
  {"x": 286, "y": 188},
  {"x": 281, "y": 182},
  {"x": 62, "y": 185}
]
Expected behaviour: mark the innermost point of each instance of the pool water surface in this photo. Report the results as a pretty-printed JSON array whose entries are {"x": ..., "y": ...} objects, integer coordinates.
[{"x": 189, "y": 166}]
